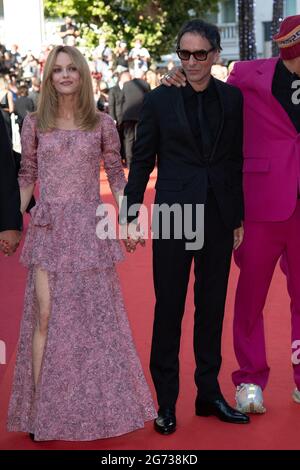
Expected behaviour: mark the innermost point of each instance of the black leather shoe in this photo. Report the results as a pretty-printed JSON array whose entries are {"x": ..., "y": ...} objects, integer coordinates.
[
  {"x": 31, "y": 435},
  {"x": 221, "y": 410},
  {"x": 165, "y": 423}
]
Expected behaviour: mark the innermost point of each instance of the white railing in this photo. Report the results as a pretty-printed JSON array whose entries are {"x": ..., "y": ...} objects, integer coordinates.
[{"x": 228, "y": 31}]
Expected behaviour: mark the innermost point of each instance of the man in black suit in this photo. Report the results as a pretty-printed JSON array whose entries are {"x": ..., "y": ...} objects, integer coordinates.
[
  {"x": 133, "y": 95},
  {"x": 116, "y": 98},
  {"x": 10, "y": 215},
  {"x": 115, "y": 105},
  {"x": 196, "y": 134}
]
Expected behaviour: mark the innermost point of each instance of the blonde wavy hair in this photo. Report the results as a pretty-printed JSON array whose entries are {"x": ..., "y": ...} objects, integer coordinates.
[{"x": 86, "y": 116}]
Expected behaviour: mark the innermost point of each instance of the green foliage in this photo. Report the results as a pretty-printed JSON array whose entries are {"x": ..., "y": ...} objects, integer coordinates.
[{"x": 155, "y": 22}]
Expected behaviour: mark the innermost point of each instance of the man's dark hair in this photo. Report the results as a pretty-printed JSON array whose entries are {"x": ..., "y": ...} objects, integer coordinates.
[
  {"x": 23, "y": 90},
  {"x": 206, "y": 30}
]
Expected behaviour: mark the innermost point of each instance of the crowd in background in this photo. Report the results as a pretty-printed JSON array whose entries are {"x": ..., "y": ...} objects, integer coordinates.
[{"x": 121, "y": 76}]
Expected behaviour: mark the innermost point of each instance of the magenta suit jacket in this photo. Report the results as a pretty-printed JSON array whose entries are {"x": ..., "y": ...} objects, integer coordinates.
[{"x": 271, "y": 145}]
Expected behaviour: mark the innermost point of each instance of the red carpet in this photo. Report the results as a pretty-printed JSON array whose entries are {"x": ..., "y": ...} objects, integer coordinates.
[{"x": 278, "y": 429}]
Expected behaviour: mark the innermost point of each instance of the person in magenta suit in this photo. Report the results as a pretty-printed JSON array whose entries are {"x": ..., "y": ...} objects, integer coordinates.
[
  {"x": 271, "y": 184},
  {"x": 272, "y": 207}
]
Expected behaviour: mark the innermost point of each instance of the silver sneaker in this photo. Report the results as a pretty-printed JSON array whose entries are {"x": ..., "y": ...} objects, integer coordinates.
[
  {"x": 296, "y": 395},
  {"x": 249, "y": 399}
]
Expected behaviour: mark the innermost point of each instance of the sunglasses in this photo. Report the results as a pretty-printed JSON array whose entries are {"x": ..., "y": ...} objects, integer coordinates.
[{"x": 198, "y": 55}]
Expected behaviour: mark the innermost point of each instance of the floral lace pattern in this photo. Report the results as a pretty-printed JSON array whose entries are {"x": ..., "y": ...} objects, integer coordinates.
[{"x": 62, "y": 232}]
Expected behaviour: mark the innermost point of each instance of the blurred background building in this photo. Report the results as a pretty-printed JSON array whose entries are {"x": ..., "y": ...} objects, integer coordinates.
[
  {"x": 22, "y": 22},
  {"x": 226, "y": 19}
]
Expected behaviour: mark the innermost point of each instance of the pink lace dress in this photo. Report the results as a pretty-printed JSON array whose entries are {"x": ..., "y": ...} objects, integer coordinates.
[{"x": 91, "y": 383}]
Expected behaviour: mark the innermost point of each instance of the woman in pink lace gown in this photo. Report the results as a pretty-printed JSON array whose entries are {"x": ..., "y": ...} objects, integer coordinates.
[{"x": 77, "y": 374}]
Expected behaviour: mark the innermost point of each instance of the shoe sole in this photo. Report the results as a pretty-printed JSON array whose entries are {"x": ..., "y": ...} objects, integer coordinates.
[
  {"x": 206, "y": 414},
  {"x": 252, "y": 408},
  {"x": 164, "y": 433},
  {"x": 296, "y": 398}
]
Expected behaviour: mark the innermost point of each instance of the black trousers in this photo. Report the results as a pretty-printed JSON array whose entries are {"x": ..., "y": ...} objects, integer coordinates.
[
  {"x": 171, "y": 268},
  {"x": 129, "y": 134}
]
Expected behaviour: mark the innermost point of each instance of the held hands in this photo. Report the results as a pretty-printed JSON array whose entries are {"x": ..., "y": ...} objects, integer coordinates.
[
  {"x": 174, "y": 77},
  {"x": 9, "y": 241},
  {"x": 132, "y": 235}
]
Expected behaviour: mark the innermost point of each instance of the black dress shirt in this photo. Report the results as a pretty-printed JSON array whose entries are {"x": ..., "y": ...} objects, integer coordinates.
[{"x": 211, "y": 111}]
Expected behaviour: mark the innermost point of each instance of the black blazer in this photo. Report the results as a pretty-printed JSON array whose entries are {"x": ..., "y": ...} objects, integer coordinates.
[
  {"x": 164, "y": 131},
  {"x": 134, "y": 92},
  {"x": 10, "y": 215},
  {"x": 115, "y": 103}
]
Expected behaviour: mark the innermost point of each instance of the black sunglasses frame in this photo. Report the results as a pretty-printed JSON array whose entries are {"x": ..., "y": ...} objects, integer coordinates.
[{"x": 178, "y": 51}]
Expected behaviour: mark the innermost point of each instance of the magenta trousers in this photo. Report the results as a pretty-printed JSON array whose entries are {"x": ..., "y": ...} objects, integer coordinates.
[{"x": 264, "y": 243}]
